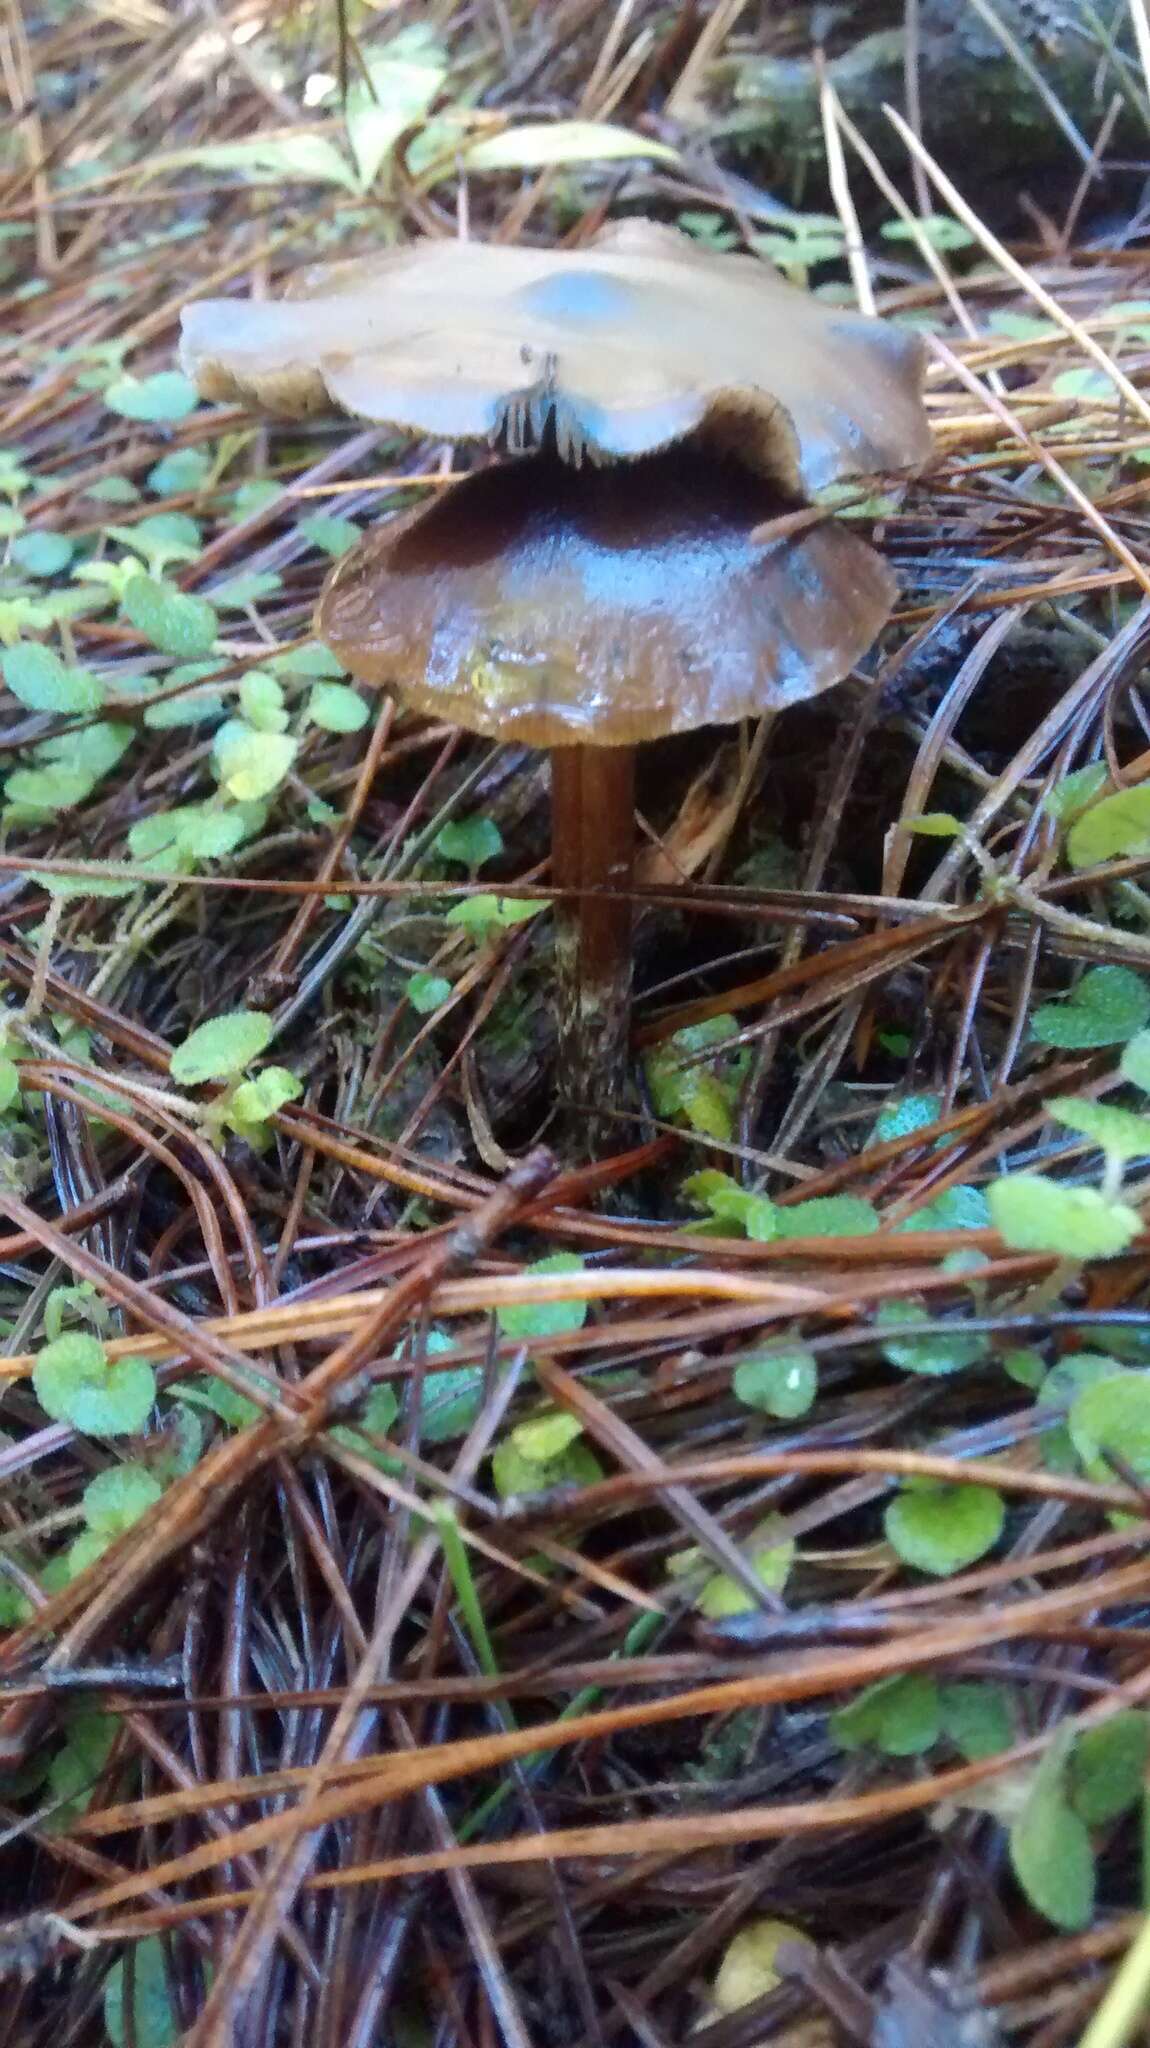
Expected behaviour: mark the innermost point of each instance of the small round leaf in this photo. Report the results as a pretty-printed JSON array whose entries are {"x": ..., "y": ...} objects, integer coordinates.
[
  {"x": 170, "y": 619},
  {"x": 221, "y": 1048},
  {"x": 1033, "y": 1213},
  {"x": 1106, "y": 1007},
  {"x": 941, "y": 1529},
  {"x": 781, "y": 1383}
]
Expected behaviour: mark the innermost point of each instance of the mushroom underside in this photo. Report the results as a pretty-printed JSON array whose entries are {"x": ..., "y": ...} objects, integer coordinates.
[{"x": 603, "y": 607}]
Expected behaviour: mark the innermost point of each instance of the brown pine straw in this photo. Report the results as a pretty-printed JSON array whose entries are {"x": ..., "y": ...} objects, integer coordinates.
[{"x": 392, "y": 1777}]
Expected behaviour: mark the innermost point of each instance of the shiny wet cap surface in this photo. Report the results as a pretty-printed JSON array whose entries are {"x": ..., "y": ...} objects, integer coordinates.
[{"x": 536, "y": 603}]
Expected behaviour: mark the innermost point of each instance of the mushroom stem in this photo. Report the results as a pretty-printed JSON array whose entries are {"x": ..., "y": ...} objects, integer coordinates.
[{"x": 592, "y": 853}]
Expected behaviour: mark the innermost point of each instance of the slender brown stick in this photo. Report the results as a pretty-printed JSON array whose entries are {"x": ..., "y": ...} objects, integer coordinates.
[{"x": 592, "y": 851}]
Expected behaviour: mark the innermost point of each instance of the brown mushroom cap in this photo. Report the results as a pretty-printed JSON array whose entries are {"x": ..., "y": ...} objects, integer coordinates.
[
  {"x": 619, "y": 350},
  {"x": 533, "y": 603}
]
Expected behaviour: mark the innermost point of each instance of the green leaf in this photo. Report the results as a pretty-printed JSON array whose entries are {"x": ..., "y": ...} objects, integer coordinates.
[
  {"x": 403, "y": 78},
  {"x": 941, "y": 1529},
  {"x": 900, "y": 1715},
  {"x": 161, "y": 538},
  {"x": 337, "y": 708},
  {"x": 14, "y": 1609},
  {"x": 112, "y": 490},
  {"x": 481, "y": 914},
  {"x": 312, "y": 659},
  {"x": 275, "y": 159},
  {"x": 1106, "y": 1007},
  {"x": 77, "y": 1383},
  {"x": 1070, "y": 1374},
  {"x": 701, "y": 1188},
  {"x": 704, "y": 1092},
  {"x": 827, "y": 1216},
  {"x": 86, "y": 885},
  {"x": 1108, "y": 1767},
  {"x": 749, "y": 1969},
  {"x": 1020, "y": 326},
  {"x": 140, "y": 1975},
  {"x": 73, "y": 1771},
  {"x": 941, "y": 230},
  {"x": 191, "y": 707},
  {"x": 221, "y": 1048},
  {"x": 112, "y": 577},
  {"x": 47, "y": 790},
  {"x": 771, "y": 1562},
  {"x": 79, "y": 1555},
  {"x": 1081, "y": 382},
  {"x": 957, "y": 1208},
  {"x": 169, "y": 395},
  {"x": 262, "y": 701},
  {"x": 1075, "y": 792},
  {"x": 469, "y": 841},
  {"x": 451, "y": 1401},
  {"x": 380, "y": 1410},
  {"x": 40, "y": 680},
  {"x": 14, "y": 478},
  {"x": 538, "y": 144},
  {"x": 378, "y": 1418},
  {"x": 252, "y": 764},
  {"x": 935, "y": 825},
  {"x": 234, "y": 1409},
  {"x": 42, "y": 554},
  {"x": 514, "y": 1473},
  {"x": 1113, "y": 1415},
  {"x": 1035, "y": 1214},
  {"x": 796, "y": 249},
  {"x": 114, "y": 1499},
  {"x": 9, "y": 1084},
  {"x": 255, "y": 1101},
  {"x": 255, "y": 495},
  {"x": 1120, "y": 1132},
  {"x": 81, "y": 1300},
  {"x": 546, "y": 1318},
  {"x": 427, "y": 992},
  {"x": 781, "y": 1383},
  {"x": 332, "y": 536},
  {"x": 756, "y": 1215},
  {"x": 935, "y": 1354},
  {"x": 1115, "y": 825},
  {"x": 185, "y": 469},
  {"x": 1050, "y": 1850},
  {"x": 180, "y": 837},
  {"x": 1026, "y": 1367},
  {"x": 544, "y": 1438},
  {"x": 170, "y": 619},
  {"x": 94, "y": 749},
  {"x": 1134, "y": 1064},
  {"x": 238, "y": 593},
  {"x": 898, "y": 1118},
  {"x": 977, "y": 1717}
]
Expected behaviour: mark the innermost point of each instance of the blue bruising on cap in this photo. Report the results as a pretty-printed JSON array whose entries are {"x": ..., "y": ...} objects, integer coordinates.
[{"x": 579, "y": 298}]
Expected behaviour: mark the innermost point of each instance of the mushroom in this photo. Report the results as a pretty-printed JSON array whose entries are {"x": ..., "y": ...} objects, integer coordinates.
[
  {"x": 635, "y": 342},
  {"x": 646, "y": 566}
]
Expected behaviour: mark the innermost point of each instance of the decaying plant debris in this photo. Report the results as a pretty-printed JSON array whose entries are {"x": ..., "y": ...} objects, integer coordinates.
[{"x": 452, "y": 1592}]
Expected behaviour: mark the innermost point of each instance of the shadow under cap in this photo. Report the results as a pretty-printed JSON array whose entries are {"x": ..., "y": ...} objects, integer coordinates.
[
  {"x": 617, "y": 350},
  {"x": 533, "y": 604}
]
